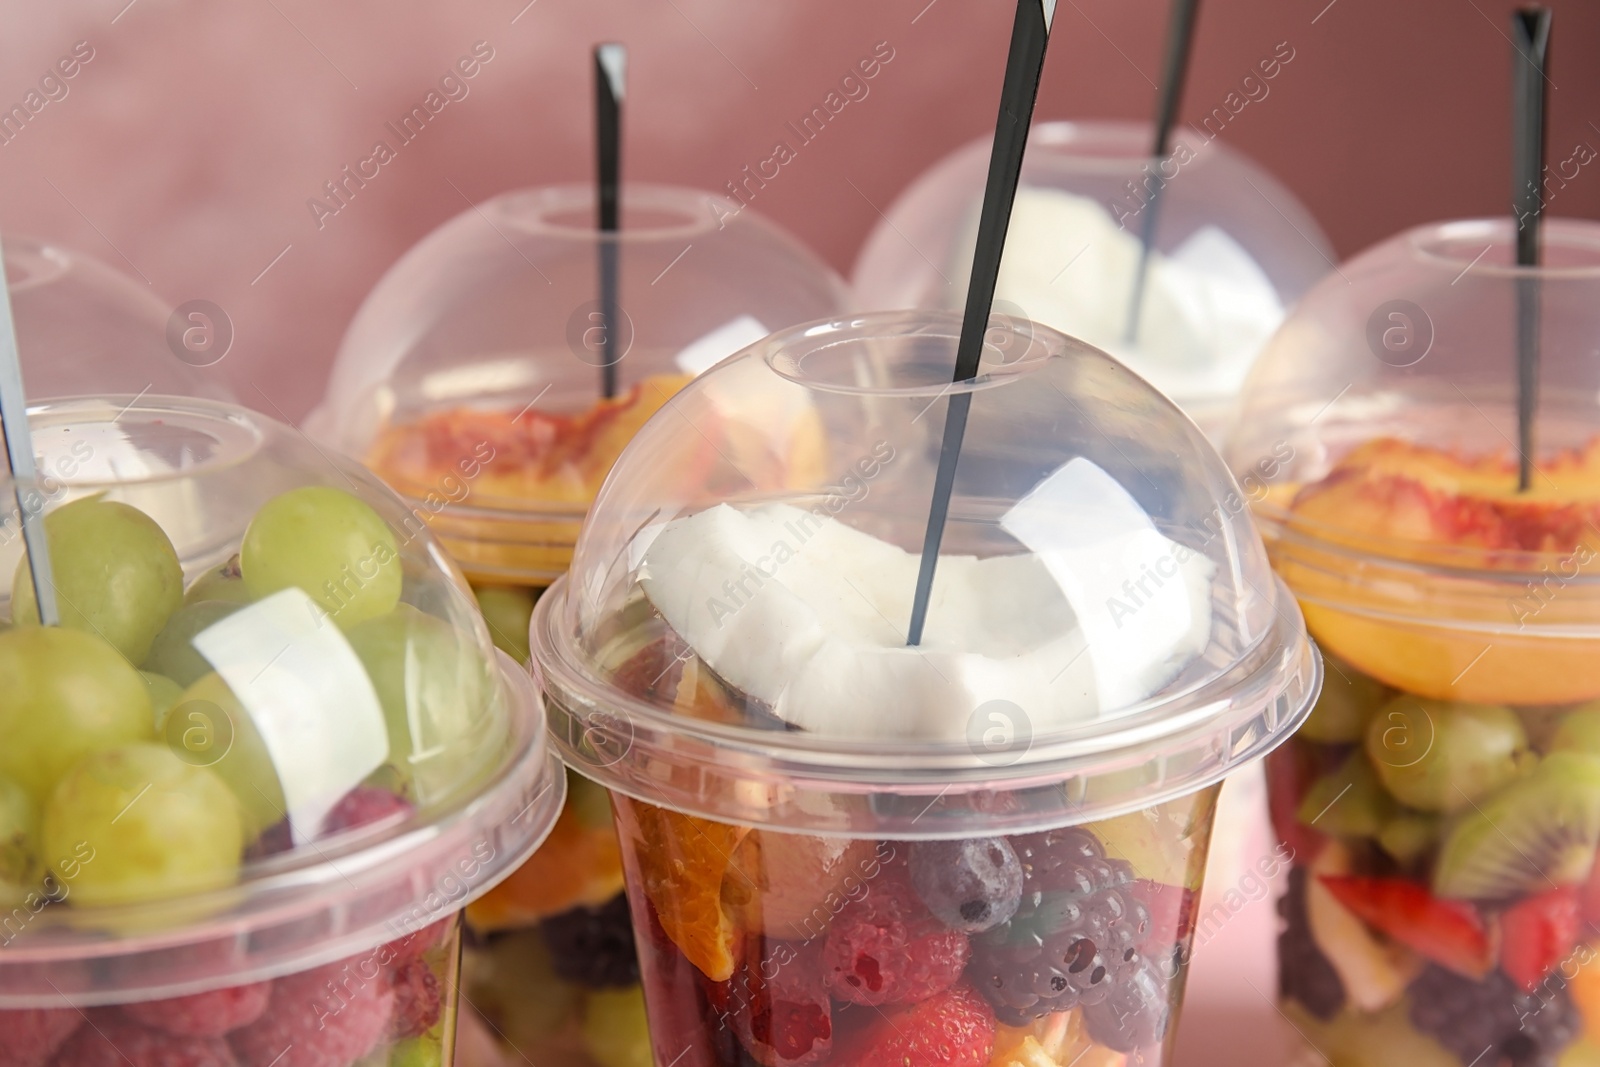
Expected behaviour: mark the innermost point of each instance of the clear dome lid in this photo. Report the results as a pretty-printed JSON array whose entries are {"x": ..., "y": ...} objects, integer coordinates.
[
  {"x": 1233, "y": 250},
  {"x": 270, "y": 728},
  {"x": 1378, "y": 438},
  {"x": 1102, "y": 609},
  {"x": 84, "y": 328},
  {"x": 473, "y": 378}
]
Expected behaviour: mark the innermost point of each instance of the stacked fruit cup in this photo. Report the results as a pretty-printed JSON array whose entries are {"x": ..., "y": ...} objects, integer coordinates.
[
  {"x": 472, "y": 381},
  {"x": 1443, "y": 799},
  {"x": 250, "y": 779},
  {"x": 982, "y": 850}
]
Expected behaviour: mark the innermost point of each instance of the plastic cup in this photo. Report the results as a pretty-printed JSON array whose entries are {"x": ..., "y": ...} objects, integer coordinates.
[
  {"x": 249, "y": 783},
  {"x": 1438, "y": 798},
  {"x": 85, "y": 328},
  {"x": 986, "y": 850},
  {"x": 473, "y": 381},
  {"x": 1233, "y": 250}
]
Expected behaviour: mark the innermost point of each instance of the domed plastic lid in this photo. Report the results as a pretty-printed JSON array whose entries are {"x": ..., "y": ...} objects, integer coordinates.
[
  {"x": 1379, "y": 440},
  {"x": 475, "y": 378},
  {"x": 1233, "y": 250},
  {"x": 84, "y": 328},
  {"x": 270, "y": 730},
  {"x": 1104, "y": 628}
]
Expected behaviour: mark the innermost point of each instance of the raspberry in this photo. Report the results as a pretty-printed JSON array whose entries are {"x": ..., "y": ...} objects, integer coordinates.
[
  {"x": 362, "y": 805},
  {"x": 1305, "y": 974},
  {"x": 417, "y": 1003},
  {"x": 273, "y": 840},
  {"x": 888, "y": 947},
  {"x": 1080, "y": 930},
  {"x": 30, "y": 1036},
  {"x": 951, "y": 1029},
  {"x": 777, "y": 1003},
  {"x": 415, "y": 945},
  {"x": 593, "y": 947},
  {"x": 204, "y": 1014},
  {"x": 327, "y": 1017},
  {"x": 1493, "y": 1021},
  {"x": 108, "y": 1041}
]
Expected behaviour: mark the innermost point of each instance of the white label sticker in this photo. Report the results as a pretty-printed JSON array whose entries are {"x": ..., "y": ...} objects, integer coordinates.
[{"x": 308, "y": 696}]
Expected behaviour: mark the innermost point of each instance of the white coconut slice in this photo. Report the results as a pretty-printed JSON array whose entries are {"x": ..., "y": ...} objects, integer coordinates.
[{"x": 809, "y": 616}]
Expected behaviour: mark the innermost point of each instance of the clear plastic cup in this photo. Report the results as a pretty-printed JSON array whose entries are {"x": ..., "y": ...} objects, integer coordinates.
[
  {"x": 985, "y": 850},
  {"x": 251, "y": 779},
  {"x": 1443, "y": 800},
  {"x": 473, "y": 381},
  {"x": 84, "y": 328},
  {"x": 1233, "y": 250}
]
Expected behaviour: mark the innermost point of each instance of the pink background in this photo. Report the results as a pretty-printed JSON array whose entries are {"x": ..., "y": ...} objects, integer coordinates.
[{"x": 186, "y": 150}]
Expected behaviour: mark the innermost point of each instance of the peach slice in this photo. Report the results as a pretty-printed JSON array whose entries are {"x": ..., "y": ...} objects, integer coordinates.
[{"x": 1428, "y": 571}]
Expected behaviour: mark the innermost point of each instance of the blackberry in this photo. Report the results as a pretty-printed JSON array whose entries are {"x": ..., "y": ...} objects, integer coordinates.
[
  {"x": 593, "y": 947},
  {"x": 1305, "y": 975},
  {"x": 1134, "y": 1014},
  {"x": 1493, "y": 1023},
  {"x": 1075, "y": 940}
]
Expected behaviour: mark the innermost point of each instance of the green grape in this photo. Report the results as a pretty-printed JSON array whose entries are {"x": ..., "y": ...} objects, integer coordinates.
[
  {"x": 173, "y": 653},
  {"x": 224, "y": 583},
  {"x": 164, "y": 693},
  {"x": 66, "y": 694},
  {"x": 507, "y": 610},
  {"x": 244, "y": 765},
  {"x": 20, "y": 870},
  {"x": 330, "y": 545},
  {"x": 422, "y": 1051},
  {"x": 1579, "y": 730},
  {"x": 1440, "y": 755},
  {"x": 614, "y": 1029},
  {"x": 438, "y": 699},
  {"x": 589, "y": 801},
  {"x": 115, "y": 574},
  {"x": 142, "y": 825}
]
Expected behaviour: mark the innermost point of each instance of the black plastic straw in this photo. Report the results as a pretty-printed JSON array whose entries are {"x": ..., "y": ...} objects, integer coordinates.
[
  {"x": 1174, "y": 72},
  {"x": 1029, "y": 36},
  {"x": 1530, "y": 45},
  {"x": 19, "y": 457},
  {"x": 610, "y": 77}
]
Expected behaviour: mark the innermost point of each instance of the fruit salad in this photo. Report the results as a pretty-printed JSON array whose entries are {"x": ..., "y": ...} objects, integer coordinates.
[
  {"x": 190, "y": 746},
  {"x": 1443, "y": 798},
  {"x": 1048, "y": 949}
]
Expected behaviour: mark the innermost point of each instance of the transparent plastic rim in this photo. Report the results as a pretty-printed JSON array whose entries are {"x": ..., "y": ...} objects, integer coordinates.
[
  {"x": 538, "y": 211},
  {"x": 1580, "y": 236},
  {"x": 37, "y": 263},
  {"x": 1278, "y": 678},
  {"x": 359, "y": 891},
  {"x": 1106, "y": 146}
]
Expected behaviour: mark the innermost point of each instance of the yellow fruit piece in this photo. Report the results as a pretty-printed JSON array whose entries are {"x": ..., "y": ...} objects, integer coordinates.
[
  {"x": 578, "y": 864},
  {"x": 1585, "y": 990},
  {"x": 685, "y": 865}
]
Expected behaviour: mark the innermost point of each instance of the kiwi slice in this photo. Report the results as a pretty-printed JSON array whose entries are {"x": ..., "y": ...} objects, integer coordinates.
[{"x": 1538, "y": 830}]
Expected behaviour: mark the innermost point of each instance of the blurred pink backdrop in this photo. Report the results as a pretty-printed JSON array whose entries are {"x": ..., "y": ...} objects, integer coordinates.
[{"x": 186, "y": 149}]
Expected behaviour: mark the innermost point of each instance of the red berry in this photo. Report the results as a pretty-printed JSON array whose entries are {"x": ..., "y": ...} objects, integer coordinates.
[
  {"x": 888, "y": 947},
  {"x": 953, "y": 1029},
  {"x": 108, "y": 1041},
  {"x": 362, "y": 805},
  {"x": 777, "y": 1003},
  {"x": 1537, "y": 934},
  {"x": 415, "y": 944},
  {"x": 417, "y": 1003},
  {"x": 327, "y": 1017},
  {"x": 1172, "y": 910},
  {"x": 30, "y": 1036},
  {"x": 1448, "y": 932},
  {"x": 204, "y": 1014}
]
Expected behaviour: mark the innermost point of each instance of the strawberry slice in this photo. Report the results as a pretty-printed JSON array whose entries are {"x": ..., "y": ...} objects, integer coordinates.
[
  {"x": 1537, "y": 933},
  {"x": 1451, "y": 933}
]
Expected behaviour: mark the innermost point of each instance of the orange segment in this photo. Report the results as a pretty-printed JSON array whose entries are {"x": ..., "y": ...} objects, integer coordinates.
[
  {"x": 684, "y": 865},
  {"x": 1585, "y": 989},
  {"x": 578, "y": 864}
]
